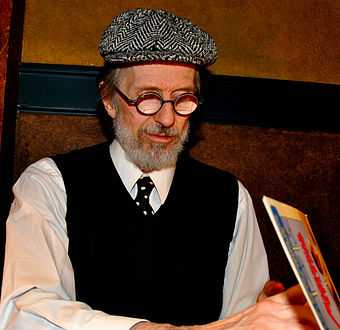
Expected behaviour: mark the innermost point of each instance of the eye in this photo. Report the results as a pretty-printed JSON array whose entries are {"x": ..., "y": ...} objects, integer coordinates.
[
  {"x": 186, "y": 103},
  {"x": 149, "y": 102}
]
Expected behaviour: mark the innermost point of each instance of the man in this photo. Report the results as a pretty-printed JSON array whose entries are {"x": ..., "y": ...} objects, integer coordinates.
[{"x": 135, "y": 234}]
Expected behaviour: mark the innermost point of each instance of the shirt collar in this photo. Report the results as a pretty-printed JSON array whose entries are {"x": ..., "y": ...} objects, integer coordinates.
[{"x": 130, "y": 173}]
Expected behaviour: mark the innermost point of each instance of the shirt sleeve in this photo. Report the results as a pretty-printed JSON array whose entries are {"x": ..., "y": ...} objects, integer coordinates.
[
  {"x": 247, "y": 267},
  {"x": 38, "y": 289}
]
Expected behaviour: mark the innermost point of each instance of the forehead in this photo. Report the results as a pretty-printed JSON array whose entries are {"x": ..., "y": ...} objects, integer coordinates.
[{"x": 159, "y": 75}]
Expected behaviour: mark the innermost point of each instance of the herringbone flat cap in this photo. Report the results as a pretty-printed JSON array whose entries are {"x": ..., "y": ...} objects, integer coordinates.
[{"x": 144, "y": 35}]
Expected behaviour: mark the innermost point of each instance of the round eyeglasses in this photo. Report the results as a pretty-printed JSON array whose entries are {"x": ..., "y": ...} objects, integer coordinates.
[{"x": 150, "y": 103}]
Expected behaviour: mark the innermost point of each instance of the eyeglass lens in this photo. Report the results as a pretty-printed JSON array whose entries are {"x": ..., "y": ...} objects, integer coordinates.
[{"x": 150, "y": 103}]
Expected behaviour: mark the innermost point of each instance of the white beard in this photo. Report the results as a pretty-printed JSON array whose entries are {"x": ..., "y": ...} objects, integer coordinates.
[{"x": 147, "y": 155}]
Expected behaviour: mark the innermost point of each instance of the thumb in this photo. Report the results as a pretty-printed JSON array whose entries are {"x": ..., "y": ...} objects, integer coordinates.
[
  {"x": 292, "y": 296},
  {"x": 271, "y": 288}
]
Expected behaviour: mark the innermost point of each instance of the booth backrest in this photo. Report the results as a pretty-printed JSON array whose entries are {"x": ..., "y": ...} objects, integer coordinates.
[{"x": 296, "y": 167}]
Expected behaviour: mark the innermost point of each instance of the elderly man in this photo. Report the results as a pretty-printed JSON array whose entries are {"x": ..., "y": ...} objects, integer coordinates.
[{"x": 136, "y": 234}]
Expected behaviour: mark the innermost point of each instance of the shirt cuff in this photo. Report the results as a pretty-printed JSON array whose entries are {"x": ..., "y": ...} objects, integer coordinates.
[{"x": 105, "y": 321}]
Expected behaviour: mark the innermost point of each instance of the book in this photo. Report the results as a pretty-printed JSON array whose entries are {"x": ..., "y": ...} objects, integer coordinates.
[{"x": 305, "y": 258}]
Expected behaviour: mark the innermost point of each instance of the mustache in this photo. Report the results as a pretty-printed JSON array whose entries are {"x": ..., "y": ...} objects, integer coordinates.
[{"x": 159, "y": 129}]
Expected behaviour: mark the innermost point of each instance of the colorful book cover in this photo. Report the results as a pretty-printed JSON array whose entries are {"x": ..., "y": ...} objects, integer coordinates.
[{"x": 302, "y": 250}]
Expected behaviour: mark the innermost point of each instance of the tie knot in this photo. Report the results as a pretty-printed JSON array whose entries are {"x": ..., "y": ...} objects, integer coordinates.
[{"x": 145, "y": 186}]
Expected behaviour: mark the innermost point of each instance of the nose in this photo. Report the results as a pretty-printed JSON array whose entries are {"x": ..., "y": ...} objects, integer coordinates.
[{"x": 166, "y": 116}]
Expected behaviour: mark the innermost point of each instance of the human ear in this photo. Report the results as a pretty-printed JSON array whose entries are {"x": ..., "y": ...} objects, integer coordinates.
[
  {"x": 109, "y": 106},
  {"x": 107, "y": 100}
]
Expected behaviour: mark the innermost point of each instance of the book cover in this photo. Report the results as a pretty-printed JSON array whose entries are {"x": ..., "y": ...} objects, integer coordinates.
[{"x": 304, "y": 255}]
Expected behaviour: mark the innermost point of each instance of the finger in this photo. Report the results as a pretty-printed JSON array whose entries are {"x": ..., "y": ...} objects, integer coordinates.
[
  {"x": 293, "y": 295},
  {"x": 300, "y": 314},
  {"x": 271, "y": 288},
  {"x": 305, "y": 315}
]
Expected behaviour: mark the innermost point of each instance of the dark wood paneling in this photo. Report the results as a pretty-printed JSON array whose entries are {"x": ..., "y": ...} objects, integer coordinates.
[
  {"x": 40, "y": 135},
  {"x": 296, "y": 167}
]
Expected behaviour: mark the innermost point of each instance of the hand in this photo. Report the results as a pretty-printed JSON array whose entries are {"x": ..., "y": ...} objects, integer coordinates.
[
  {"x": 286, "y": 310},
  {"x": 292, "y": 296},
  {"x": 271, "y": 288}
]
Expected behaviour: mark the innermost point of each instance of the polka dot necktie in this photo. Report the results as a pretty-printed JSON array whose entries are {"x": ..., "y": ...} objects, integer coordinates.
[{"x": 145, "y": 186}]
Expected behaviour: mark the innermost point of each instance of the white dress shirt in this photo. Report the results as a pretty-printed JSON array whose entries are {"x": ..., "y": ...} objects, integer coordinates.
[{"x": 38, "y": 290}]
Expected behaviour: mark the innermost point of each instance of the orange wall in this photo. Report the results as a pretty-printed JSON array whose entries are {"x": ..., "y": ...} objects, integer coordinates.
[{"x": 286, "y": 39}]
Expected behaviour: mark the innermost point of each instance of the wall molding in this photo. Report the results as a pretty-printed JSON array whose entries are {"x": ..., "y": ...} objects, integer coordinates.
[{"x": 293, "y": 105}]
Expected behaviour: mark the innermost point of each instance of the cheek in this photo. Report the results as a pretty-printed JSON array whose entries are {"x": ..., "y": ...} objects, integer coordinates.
[
  {"x": 182, "y": 124},
  {"x": 129, "y": 117},
  {"x": 137, "y": 122}
]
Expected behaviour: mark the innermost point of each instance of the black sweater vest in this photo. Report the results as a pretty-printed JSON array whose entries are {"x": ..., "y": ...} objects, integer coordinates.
[{"x": 168, "y": 267}]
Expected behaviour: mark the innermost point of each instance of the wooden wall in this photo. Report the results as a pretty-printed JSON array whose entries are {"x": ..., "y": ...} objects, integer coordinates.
[
  {"x": 294, "y": 40},
  {"x": 287, "y": 39},
  {"x": 300, "y": 168}
]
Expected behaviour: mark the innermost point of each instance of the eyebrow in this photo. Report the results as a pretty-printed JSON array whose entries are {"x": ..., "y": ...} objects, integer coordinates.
[
  {"x": 152, "y": 88},
  {"x": 146, "y": 88}
]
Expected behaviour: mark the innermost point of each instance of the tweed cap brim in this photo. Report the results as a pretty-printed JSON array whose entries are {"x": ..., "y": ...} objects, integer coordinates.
[{"x": 145, "y": 35}]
